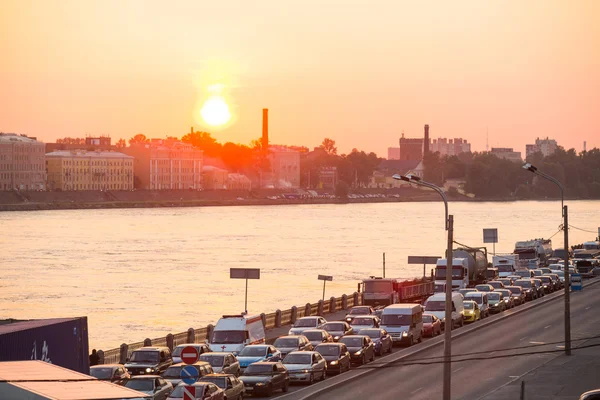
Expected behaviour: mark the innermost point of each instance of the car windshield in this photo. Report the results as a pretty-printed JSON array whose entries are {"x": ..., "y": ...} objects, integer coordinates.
[
  {"x": 396, "y": 319},
  {"x": 145, "y": 385},
  {"x": 493, "y": 296},
  {"x": 440, "y": 272},
  {"x": 515, "y": 290},
  {"x": 178, "y": 391},
  {"x": 372, "y": 333},
  {"x": 545, "y": 279},
  {"x": 313, "y": 335},
  {"x": 250, "y": 351},
  {"x": 359, "y": 311},
  {"x": 305, "y": 323},
  {"x": 327, "y": 350},
  {"x": 483, "y": 288},
  {"x": 144, "y": 356},
  {"x": 467, "y": 304},
  {"x": 524, "y": 273},
  {"x": 219, "y": 381},
  {"x": 101, "y": 373},
  {"x": 172, "y": 372},
  {"x": 297, "y": 358},
  {"x": 523, "y": 284},
  {"x": 560, "y": 273},
  {"x": 286, "y": 342},
  {"x": 215, "y": 361},
  {"x": 228, "y": 337},
  {"x": 259, "y": 369},
  {"x": 336, "y": 327},
  {"x": 378, "y": 287},
  {"x": 504, "y": 292},
  {"x": 476, "y": 299},
  {"x": 362, "y": 321},
  {"x": 427, "y": 318},
  {"x": 352, "y": 341},
  {"x": 177, "y": 351},
  {"x": 435, "y": 305},
  {"x": 504, "y": 268}
]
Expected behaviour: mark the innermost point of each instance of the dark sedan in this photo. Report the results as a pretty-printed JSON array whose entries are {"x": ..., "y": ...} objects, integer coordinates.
[
  {"x": 528, "y": 288},
  {"x": 337, "y": 329},
  {"x": 336, "y": 355},
  {"x": 518, "y": 294},
  {"x": 265, "y": 377},
  {"x": 361, "y": 348},
  {"x": 381, "y": 339},
  {"x": 114, "y": 373},
  {"x": 548, "y": 283}
]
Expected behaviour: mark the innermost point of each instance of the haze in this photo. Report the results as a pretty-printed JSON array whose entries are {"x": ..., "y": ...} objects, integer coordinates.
[{"x": 358, "y": 72}]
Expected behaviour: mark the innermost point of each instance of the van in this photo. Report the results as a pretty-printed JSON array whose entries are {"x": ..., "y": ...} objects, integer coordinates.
[
  {"x": 404, "y": 322},
  {"x": 234, "y": 332},
  {"x": 491, "y": 274},
  {"x": 482, "y": 301},
  {"x": 436, "y": 305}
]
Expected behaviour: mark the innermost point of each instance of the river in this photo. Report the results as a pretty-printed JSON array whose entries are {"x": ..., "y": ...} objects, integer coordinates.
[{"x": 138, "y": 273}]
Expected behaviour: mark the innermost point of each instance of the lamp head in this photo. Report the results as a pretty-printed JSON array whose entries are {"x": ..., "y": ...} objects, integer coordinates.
[
  {"x": 413, "y": 177},
  {"x": 529, "y": 167},
  {"x": 399, "y": 177}
]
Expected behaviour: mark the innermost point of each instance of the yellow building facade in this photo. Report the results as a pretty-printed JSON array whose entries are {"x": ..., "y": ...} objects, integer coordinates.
[{"x": 89, "y": 170}]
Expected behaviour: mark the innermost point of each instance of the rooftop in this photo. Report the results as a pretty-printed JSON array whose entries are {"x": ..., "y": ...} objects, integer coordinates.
[
  {"x": 14, "y": 138},
  {"x": 86, "y": 154}
]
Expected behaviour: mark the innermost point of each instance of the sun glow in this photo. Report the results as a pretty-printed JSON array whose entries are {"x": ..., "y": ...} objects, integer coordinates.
[{"x": 215, "y": 111}]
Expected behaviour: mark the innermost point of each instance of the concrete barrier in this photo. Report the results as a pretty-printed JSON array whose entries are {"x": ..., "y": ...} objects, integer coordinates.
[
  {"x": 332, "y": 303},
  {"x": 147, "y": 342},
  {"x": 307, "y": 309},
  {"x": 123, "y": 353},
  {"x": 320, "y": 308},
  {"x": 278, "y": 318},
  {"x": 191, "y": 335},
  {"x": 170, "y": 341}
]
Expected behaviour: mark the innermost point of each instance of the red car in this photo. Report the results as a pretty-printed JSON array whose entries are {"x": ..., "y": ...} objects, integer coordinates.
[{"x": 432, "y": 325}]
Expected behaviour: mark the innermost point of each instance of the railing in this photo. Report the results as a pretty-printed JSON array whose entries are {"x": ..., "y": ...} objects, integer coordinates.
[{"x": 272, "y": 320}]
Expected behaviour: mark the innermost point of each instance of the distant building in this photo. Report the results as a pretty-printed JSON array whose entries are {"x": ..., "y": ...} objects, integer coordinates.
[
  {"x": 393, "y": 153},
  {"x": 166, "y": 164},
  {"x": 89, "y": 170},
  {"x": 507, "y": 153},
  {"x": 285, "y": 167},
  {"x": 382, "y": 176},
  {"x": 544, "y": 146},
  {"x": 411, "y": 149},
  {"x": 22, "y": 163},
  {"x": 238, "y": 182},
  {"x": 328, "y": 177},
  {"x": 450, "y": 147},
  {"x": 90, "y": 143}
]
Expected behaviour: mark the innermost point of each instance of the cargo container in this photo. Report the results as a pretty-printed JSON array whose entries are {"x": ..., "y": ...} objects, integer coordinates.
[{"x": 59, "y": 341}]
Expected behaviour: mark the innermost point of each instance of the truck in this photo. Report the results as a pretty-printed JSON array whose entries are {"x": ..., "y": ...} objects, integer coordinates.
[
  {"x": 506, "y": 263},
  {"x": 468, "y": 267},
  {"x": 379, "y": 291},
  {"x": 533, "y": 253}
]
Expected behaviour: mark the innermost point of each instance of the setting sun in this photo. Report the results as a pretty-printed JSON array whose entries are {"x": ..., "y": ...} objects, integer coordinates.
[{"x": 215, "y": 111}]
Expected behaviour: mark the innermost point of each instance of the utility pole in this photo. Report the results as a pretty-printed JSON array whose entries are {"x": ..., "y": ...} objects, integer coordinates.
[
  {"x": 567, "y": 285},
  {"x": 449, "y": 322},
  {"x": 384, "y": 265}
]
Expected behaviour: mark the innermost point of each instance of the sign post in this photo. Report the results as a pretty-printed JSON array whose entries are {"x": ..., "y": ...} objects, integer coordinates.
[
  {"x": 423, "y": 260},
  {"x": 245, "y": 273},
  {"x": 576, "y": 283},
  {"x": 189, "y": 374},
  {"x": 325, "y": 278},
  {"x": 491, "y": 236},
  {"x": 189, "y": 393}
]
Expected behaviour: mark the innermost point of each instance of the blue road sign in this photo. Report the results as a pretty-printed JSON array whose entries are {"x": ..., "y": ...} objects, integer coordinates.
[
  {"x": 189, "y": 374},
  {"x": 576, "y": 283}
]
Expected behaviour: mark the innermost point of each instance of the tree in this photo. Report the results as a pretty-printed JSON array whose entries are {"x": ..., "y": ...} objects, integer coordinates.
[
  {"x": 329, "y": 146},
  {"x": 140, "y": 138},
  {"x": 204, "y": 141},
  {"x": 121, "y": 143},
  {"x": 342, "y": 190},
  {"x": 70, "y": 140}
]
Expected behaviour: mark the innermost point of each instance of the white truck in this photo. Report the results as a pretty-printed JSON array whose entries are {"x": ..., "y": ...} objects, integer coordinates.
[
  {"x": 507, "y": 264},
  {"x": 460, "y": 274},
  {"x": 468, "y": 268},
  {"x": 234, "y": 332}
]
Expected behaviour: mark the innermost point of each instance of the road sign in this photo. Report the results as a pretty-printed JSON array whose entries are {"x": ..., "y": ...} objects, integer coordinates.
[
  {"x": 189, "y": 393},
  {"x": 423, "y": 260},
  {"x": 490, "y": 235},
  {"x": 325, "y": 277},
  {"x": 244, "y": 273},
  {"x": 189, "y": 355},
  {"x": 189, "y": 374},
  {"x": 576, "y": 283}
]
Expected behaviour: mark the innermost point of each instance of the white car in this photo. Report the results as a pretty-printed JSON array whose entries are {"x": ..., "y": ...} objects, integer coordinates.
[
  {"x": 154, "y": 386},
  {"x": 305, "y": 323},
  {"x": 200, "y": 347},
  {"x": 364, "y": 321},
  {"x": 305, "y": 366}
]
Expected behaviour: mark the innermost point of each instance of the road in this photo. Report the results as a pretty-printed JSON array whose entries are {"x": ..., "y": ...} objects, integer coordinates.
[{"x": 541, "y": 328}]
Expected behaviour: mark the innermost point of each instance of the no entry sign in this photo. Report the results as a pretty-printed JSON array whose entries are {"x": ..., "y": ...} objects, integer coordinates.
[{"x": 189, "y": 355}]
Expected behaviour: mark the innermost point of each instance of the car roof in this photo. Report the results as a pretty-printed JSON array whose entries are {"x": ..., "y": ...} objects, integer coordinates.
[
  {"x": 191, "y": 344},
  {"x": 314, "y": 330},
  {"x": 365, "y": 316},
  {"x": 330, "y": 344},
  {"x": 303, "y": 352},
  {"x": 257, "y": 345},
  {"x": 142, "y": 377},
  {"x": 289, "y": 336},
  {"x": 218, "y": 375},
  {"x": 152, "y": 348},
  {"x": 353, "y": 336},
  {"x": 196, "y": 363},
  {"x": 468, "y": 301},
  {"x": 107, "y": 366},
  {"x": 265, "y": 363},
  {"x": 310, "y": 317}
]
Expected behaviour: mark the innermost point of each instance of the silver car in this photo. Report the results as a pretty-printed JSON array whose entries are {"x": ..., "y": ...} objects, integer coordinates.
[
  {"x": 318, "y": 336},
  {"x": 305, "y": 323},
  {"x": 221, "y": 362},
  {"x": 287, "y": 344},
  {"x": 154, "y": 386},
  {"x": 200, "y": 347},
  {"x": 233, "y": 387},
  {"x": 305, "y": 366}
]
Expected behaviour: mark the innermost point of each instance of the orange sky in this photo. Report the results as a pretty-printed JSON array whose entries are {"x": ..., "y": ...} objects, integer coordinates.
[{"x": 357, "y": 73}]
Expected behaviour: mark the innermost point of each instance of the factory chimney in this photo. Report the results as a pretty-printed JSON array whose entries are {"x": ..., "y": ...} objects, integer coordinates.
[
  {"x": 426, "y": 140},
  {"x": 584, "y": 145},
  {"x": 265, "y": 129}
]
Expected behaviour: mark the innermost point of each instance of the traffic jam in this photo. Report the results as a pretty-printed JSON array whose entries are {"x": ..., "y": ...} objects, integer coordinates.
[{"x": 236, "y": 361}]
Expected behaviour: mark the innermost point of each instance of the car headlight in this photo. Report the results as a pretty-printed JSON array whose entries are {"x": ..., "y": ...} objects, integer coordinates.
[
  {"x": 260, "y": 384},
  {"x": 306, "y": 371},
  {"x": 334, "y": 363},
  {"x": 358, "y": 353},
  {"x": 348, "y": 319},
  {"x": 336, "y": 337},
  {"x": 404, "y": 334},
  {"x": 149, "y": 369}
]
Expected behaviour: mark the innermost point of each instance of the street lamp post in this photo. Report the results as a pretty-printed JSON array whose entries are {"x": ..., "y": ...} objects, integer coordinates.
[
  {"x": 565, "y": 215},
  {"x": 449, "y": 226}
]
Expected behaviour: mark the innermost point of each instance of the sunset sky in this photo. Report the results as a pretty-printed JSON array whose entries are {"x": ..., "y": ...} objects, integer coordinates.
[{"x": 360, "y": 72}]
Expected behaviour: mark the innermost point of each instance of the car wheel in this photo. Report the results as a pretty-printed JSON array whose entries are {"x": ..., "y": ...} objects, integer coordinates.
[
  {"x": 269, "y": 390},
  {"x": 462, "y": 322},
  {"x": 373, "y": 357},
  {"x": 410, "y": 341},
  {"x": 284, "y": 389},
  {"x": 311, "y": 379},
  {"x": 323, "y": 375},
  {"x": 364, "y": 360},
  {"x": 391, "y": 348}
]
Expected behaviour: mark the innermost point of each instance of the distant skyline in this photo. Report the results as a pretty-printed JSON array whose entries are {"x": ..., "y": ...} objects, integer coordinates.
[{"x": 357, "y": 72}]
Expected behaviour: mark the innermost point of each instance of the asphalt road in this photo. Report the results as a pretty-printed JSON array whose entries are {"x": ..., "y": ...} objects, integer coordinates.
[{"x": 541, "y": 328}]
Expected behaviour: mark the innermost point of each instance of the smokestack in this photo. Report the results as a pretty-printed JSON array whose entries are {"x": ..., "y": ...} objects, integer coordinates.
[
  {"x": 426, "y": 140},
  {"x": 265, "y": 129},
  {"x": 192, "y": 130},
  {"x": 584, "y": 145}
]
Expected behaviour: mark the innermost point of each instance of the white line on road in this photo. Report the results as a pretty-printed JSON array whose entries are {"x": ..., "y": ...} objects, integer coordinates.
[
  {"x": 523, "y": 338},
  {"x": 416, "y": 390},
  {"x": 587, "y": 308},
  {"x": 492, "y": 353},
  {"x": 514, "y": 376},
  {"x": 537, "y": 342},
  {"x": 547, "y": 326},
  {"x": 458, "y": 369}
]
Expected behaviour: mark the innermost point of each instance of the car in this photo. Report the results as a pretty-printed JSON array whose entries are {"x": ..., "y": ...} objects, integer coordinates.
[
  {"x": 547, "y": 283},
  {"x": 381, "y": 339},
  {"x": 513, "y": 278},
  {"x": 482, "y": 301},
  {"x": 318, "y": 336},
  {"x": 432, "y": 325},
  {"x": 557, "y": 282},
  {"x": 173, "y": 373},
  {"x": 496, "y": 302},
  {"x": 561, "y": 277},
  {"x": 200, "y": 347},
  {"x": 265, "y": 377},
  {"x": 337, "y": 329},
  {"x": 506, "y": 281},
  {"x": 496, "y": 284},
  {"x": 289, "y": 343},
  {"x": 361, "y": 348},
  {"x": 305, "y": 323},
  {"x": 528, "y": 288},
  {"x": 154, "y": 386},
  {"x": 590, "y": 395},
  {"x": 364, "y": 321},
  {"x": 517, "y": 294},
  {"x": 359, "y": 310},
  {"x": 464, "y": 291},
  {"x": 114, "y": 373},
  {"x": 149, "y": 361},
  {"x": 524, "y": 273},
  {"x": 539, "y": 286},
  {"x": 545, "y": 270},
  {"x": 256, "y": 353},
  {"x": 508, "y": 298},
  {"x": 484, "y": 287},
  {"x": 336, "y": 355},
  {"x": 305, "y": 366},
  {"x": 204, "y": 391},
  {"x": 224, "y": 363},
  {"x": 472, "y": 312},
  {"x": 230, "y": 384},
  {"x": 537, "y": 272}
]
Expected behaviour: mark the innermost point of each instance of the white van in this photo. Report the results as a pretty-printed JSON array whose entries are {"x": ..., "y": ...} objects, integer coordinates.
[
  {"x": 404, "y": 322},
  {"x": 234, "y": 332},
  {"x": 436, "y": 305}
]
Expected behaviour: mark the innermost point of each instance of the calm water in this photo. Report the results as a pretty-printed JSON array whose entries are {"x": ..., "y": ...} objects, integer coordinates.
[{"x": 140, "y": 273}]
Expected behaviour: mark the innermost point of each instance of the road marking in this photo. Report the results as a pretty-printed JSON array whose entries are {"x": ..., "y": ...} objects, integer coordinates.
[
  {"x": 416, "y": 390},
  {"x": 537, "y": 342},
  {"x": 523, "y": 338},
  {"x": 587, "y": 308},
  {"x": 560, "y": 347},
  {"x": 547, "y": 326},
  {"x": 492, "y": 353},
  {"x": 458, "y": 369},
  {"x": 514, "y": 376}
]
